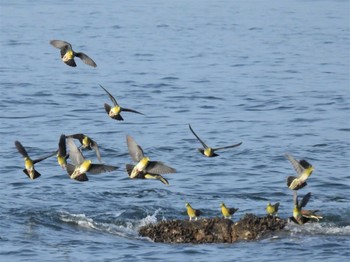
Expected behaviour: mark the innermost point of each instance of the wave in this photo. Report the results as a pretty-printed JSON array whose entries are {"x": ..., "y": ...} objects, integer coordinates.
[
  {"x": 329, "y": 229},
  {"x": 122, "y": 228}
]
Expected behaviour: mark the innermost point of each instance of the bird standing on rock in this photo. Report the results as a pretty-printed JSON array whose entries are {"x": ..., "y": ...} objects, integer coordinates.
[
  {"x": 272, "y": 210},
  {"x": 192, "y": 213},
  {"x": 227, "y": 212}
]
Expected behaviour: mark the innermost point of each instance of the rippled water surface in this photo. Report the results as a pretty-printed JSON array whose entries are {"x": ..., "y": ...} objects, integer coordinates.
[{"x": 272, "y": 74}]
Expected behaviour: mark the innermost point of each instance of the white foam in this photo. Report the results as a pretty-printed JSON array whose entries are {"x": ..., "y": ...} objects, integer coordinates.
[
  {"x": 149, "y": 219},
  {"x": 319, "y": 229}
]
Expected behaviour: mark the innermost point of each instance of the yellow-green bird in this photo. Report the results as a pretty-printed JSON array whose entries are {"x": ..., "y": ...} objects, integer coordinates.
[
  {"x": 29, "y": 169},
  {"x": 87, "y": 143},
  {"x": 209, "y": 151},
  {"x": 272, "y": 209},
  {"x": 227, "y": 212},
  {"x": 144, "y": 165},
  {"x": 62, "y": 152},
  {"x": 67, "y": 54},
  {"x": 114, "y": 112},
  {"x": 304, "y": 170},
  {"x": 77, "y": 170},
  {"x": 145, "y": 175},
  {"x": 192, "y": 213},
  {"x": 298, "y": 217}
]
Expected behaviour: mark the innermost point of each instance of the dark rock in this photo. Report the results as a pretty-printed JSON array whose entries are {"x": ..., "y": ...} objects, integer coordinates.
[{"x": 212, "y": 230}]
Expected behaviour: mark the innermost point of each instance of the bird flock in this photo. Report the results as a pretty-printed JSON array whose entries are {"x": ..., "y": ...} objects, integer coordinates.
[{"x": 76, "y": 165}]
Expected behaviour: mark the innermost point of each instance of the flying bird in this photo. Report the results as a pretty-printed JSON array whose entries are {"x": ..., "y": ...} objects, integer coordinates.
[
  {"x": 144, "y": 165},
  {"x": 77, "y": 170},
  {"x": 272, "y": 209},
  {"x": 29, "y": 169},
  {"x": 192, "y": 213},
  {"x": 67, "y": 54},
  {"x": 298, "y": 217},
  {"x": 209, "y": 151},
  {"x": 227, "y": 212},
  {"x": 303, "y": 169},
  {"x": 114, "y": 112},
  {"x": 87, "y": 143},
  {"x": 145, "y": 175}
]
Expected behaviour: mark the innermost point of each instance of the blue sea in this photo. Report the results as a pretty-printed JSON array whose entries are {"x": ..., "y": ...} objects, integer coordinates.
[{"x": 274, "y": 75}]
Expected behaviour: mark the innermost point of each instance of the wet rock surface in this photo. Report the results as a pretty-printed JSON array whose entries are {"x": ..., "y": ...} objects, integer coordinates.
[{"x": 212, "y": 230}]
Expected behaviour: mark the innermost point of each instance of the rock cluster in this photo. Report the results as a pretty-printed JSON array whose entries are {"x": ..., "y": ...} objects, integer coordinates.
[{"x": 212, "y": 230}]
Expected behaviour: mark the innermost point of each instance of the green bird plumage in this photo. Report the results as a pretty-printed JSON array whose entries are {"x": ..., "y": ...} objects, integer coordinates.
[
  {"x": 114, "y": 111},
  {"x": 143, "y": 164},
  {"x": 87, "y": 143},
  {"x": 77, "y": 170},
  {"x": 209, "y": 151},
  {"x": 192, "y": 213},
  {"x": 227, "y": 212},
  {"x": 303, "y": 168},
  {"x": 29, "y": 169},
  {"x": 272, "y": 210},
  {"x": 67, "y": 54},
  {"x": 298, "y": 217}
]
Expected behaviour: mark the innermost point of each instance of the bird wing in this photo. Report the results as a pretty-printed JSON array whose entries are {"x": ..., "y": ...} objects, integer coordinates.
[
  {"x": 69, "y": 62},
  {"x": 44, "y": 157},
  {"x": 75, "y": 154},
  {"x": 129, "y": 168},
  {"x": 305, "y": 199},
  {"x": 135, "y": 150},
  {"x": 225, "y": 147},
  {"x": 295, "y": 198},
  {"x": 94, "y": 146},
  {"x": 156, "y": 167},
  {"x": 296, "y": 165},
  {"x": 130, "y": 110},
  {"x": 62, "y": 148},
  {"x": 100, "y": 168},
  {"x": 60, "y": 44},
  {"x": 80, "y": 137},
  {"x": 232, "y": 210},
  {"x": 86, "y": 59},
  {"x": 200, "y": 140},
  {"x": 110, "y": 96},
  {"x": 21, "y": 149}
]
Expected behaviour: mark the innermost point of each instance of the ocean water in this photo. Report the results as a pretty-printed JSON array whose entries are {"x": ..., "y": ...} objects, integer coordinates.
[{"x": 273, "y": 75}]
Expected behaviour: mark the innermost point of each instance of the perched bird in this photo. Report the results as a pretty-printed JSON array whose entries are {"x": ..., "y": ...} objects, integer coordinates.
[
  {"x": 272, "y": 209},
  {"x": 145, "y": 175},
  {"x": 298, "y": 217},
  {"x": 87, "y": 143},
  {"x": 29, "y": 169},
  {"x": 209, "y": 151},
  {"x": 192, "y": 213},
  {"x": 227, "y": 212},
  {"x": 311, "y": 214},
  {"x": 144, "y": 165},
  {"x": 62, "y": 152},
  {"x": 67, "y": 53},
  {"x": 114, "y": 112},
  {"x": 80, "y": 165},
  {"x": 304, "y": 170}
]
